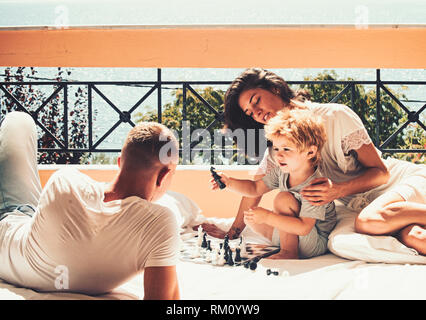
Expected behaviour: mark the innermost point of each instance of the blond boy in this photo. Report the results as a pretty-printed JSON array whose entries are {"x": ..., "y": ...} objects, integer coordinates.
[{"x": 299, "y": 228}]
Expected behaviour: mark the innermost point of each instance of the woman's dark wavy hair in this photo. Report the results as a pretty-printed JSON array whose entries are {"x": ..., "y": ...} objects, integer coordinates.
[{"x": 251, "y": 78}]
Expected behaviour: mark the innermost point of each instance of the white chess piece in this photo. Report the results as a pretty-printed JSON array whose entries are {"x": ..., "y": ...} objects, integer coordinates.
[
  {"x": 243, "y": 252},
  {"x": 214, "y": 256},
  {"x": 200, "y": 235},
  {"x": 196, "y": 252},
  {"x": 208, "y": 257},
  {"x": 221, "y": 260}
]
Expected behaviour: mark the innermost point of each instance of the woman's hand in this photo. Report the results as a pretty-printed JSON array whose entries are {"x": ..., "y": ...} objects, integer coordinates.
[
  {"x": 321, "y": 191},
  {"x": 256, "y": 215},
  {"x": 214, "y": 185}
]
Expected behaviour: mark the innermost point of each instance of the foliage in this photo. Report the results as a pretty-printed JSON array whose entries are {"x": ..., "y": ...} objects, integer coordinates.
[
  {"x": 363, "y": 102},
  {"x": 51, "y": 116}
]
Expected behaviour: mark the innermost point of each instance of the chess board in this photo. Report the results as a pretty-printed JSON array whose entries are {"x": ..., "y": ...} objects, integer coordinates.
[{"x": 254, "y": 251}]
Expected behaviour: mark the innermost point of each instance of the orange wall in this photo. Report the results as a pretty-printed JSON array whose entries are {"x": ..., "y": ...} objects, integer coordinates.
[
  {"x": 194, "y": 184},
  {"x": 217, "y": 47}
]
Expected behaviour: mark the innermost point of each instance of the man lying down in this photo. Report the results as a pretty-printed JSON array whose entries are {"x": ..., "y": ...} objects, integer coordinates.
[{"x": 79, "y": 235}]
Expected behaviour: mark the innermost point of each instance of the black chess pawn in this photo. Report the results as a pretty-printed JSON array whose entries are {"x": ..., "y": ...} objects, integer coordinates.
[
  {"x": 230, "y": 261},
  {"x": 253, "y": 265},
  {"x": 246, "y": 264},
  {"x": 204, "y": 243},
  {"x": 209, "y": 245},
  {"x": 226, "y": 242},
  {"x": 226, "y": 255},
  {"x": 269, "y": 272},
  {"x": 237, "y": 255}
]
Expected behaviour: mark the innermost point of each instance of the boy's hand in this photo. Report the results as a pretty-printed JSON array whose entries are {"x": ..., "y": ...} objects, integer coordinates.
[
  {"x": 223, "y": 177},
  {"x": 256, "y": 215}
]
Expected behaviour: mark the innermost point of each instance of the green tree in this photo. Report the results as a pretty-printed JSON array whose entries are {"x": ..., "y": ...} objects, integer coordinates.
[
  {"x": 198, "y": 114},
  {"x": 363, "y": 102},
  {"x": 51, "y": 116}
]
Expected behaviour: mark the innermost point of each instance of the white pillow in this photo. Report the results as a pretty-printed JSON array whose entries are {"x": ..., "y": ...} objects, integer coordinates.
[
  {"x": 186, "y": 211},
  {"x": 345, "y": 242}
]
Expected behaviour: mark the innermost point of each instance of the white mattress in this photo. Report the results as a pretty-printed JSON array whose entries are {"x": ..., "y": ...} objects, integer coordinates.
[{"x": 324, "y": 277}]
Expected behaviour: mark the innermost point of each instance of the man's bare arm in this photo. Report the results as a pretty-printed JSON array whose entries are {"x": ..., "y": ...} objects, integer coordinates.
[{"x": 160, "y": 283}]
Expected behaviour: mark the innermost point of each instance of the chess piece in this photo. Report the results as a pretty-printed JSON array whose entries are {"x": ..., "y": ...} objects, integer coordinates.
[
  {"x": 226, "y": 242},
  {"x": 253, "y": 265},
  {"x": 225, "y": 254},
  {"x": 269, "y": 272},
  {"x": 209, "y": 248},
  {"x": 208, "y": 257},
  {"x": 204, "y": 243},
  {"x": 195, "y": 252},
  {"x": 221, "y": 260},
  {"x": 217, "y": 178},
  {"x": 230, "y": 261},
  {"x": 237, "y": 255},
  {"x": 200, "y": 235},
  {"x": 214, "y": 256},
  {"x": 243, "y": 252}
]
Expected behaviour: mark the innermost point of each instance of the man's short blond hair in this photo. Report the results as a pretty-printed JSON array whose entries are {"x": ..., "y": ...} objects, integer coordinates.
[
  {"x": 149, "y": 144},
  {"x": 303, "y": 128}
]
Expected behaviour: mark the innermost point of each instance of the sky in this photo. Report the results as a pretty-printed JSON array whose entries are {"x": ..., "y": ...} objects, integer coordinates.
[{"x": 171, "y": 12}]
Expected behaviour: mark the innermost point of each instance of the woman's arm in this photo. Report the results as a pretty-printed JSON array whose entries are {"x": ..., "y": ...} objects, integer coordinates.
[{"x": 323, "y": 190}]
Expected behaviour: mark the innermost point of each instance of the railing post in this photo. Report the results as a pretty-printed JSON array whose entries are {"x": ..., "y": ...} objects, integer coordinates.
[
  {"x": 159, "y": 103},
  {"x": 186, "y": 141},
  {"x": 66, "y": 140},
  {"x": 378, "y": 108},
  {"x": 89, "y": 115}
]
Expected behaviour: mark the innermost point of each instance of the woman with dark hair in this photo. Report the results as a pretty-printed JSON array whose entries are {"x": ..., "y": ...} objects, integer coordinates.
[{"x": 389, "y": 194}]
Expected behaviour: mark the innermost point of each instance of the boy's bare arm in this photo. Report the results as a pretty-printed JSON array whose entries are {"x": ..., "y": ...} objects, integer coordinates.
[
  {"x": 245, "y": 187},
  {"x": 160, "y": 283}
]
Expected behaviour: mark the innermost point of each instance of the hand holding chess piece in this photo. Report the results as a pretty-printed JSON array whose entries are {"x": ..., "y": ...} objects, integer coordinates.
[{"x": 219, "y": 180}]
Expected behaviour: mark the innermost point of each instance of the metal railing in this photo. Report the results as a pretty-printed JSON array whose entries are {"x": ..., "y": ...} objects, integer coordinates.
[{"x": 125, "y": 116}]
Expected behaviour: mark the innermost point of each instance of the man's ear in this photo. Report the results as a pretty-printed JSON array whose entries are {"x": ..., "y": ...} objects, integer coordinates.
[
  {"x": 162, "y": 174},
  {"x": 119, "y": 161},
  {"x": 312, "y": 152}
]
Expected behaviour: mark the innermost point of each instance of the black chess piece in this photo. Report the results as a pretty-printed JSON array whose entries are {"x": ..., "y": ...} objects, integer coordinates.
[
  {"x": 216, "y": 178},
  {"x": 246, "y": 264},
  {"x": 230, "y": 261},
  {"x": 269, "y": 272},
  {"x": 226, "y": 255},
  {"x": 209, "y": 245},
  {"x": 204, "y": 243},
  {"x": 237, "y": 255},
  {"x": 253, "y": 265},
  {"x": 226, "y": 243}
]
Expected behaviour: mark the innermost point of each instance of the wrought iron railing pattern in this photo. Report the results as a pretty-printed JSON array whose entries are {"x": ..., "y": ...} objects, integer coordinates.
[{"x": 125, "y": 116}]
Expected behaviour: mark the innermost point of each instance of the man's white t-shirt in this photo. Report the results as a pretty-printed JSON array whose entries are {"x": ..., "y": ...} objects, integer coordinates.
[{"x": 77, "y": 242}]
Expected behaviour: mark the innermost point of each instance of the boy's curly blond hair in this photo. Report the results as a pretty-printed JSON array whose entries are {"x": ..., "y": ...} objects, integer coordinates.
[{"x": 301, "y": 127}]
